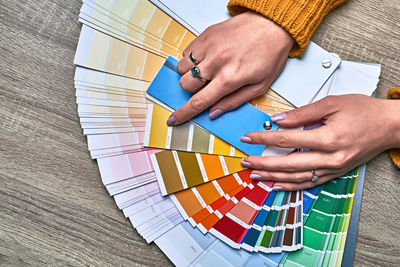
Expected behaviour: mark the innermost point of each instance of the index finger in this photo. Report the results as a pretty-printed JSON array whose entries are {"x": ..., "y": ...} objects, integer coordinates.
[
  {"x": 198, "y": 102},
  {"x": 318, "y": 139}
]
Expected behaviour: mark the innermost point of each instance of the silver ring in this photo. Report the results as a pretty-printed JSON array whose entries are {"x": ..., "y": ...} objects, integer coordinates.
[
  {"x": 315, "y": 177},
  {"x": 193, "y": 59},
  {"x": 196, "y": 73}
]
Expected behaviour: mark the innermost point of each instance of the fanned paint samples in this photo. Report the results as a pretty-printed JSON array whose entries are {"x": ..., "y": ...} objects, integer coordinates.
[{"x": 122, "y": 46}]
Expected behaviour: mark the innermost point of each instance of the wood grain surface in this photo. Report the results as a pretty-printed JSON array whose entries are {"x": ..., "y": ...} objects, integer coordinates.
[{"x": 54, "y": 209}]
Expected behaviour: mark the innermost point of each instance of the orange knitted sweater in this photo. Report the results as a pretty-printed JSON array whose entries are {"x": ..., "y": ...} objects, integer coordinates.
[{"x": 298, "y": 17}]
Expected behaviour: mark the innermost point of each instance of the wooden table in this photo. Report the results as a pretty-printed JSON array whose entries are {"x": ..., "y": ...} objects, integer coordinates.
[{"x": 54, "y": 209}]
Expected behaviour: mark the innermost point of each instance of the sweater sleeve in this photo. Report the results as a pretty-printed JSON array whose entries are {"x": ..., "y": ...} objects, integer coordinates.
[
  {"x": 394, "y": 153},
  {"x": 298, "y": 17}
]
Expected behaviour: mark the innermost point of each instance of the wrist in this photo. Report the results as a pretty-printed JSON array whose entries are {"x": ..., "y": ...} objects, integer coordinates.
[
  {"x": 285, "y": 40},
  {"x": 392, "y": 120}
]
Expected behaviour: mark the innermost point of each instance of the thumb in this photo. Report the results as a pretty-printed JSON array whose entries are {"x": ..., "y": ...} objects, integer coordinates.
[{"x": 305, "y": 115}]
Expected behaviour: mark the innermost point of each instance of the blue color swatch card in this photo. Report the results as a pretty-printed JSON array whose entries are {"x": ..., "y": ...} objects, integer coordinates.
[{"x": 229, "y": 126}]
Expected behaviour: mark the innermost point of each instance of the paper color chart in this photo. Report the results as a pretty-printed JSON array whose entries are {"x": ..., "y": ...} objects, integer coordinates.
[
  {"x": 186, "y": 137},
  {"x": 214, "y": 208},
  {"x": 177, "y": 170}
]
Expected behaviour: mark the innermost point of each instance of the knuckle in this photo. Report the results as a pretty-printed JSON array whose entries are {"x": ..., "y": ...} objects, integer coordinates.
[
  {"x": 224, "y": 52},
  {"x": 282, "y": 140},
  {"x": 290, "y": 187},
  {"x": 299, "y": 178},
  {"x": 260, "y": 90},
  {"x": 184, "y": 83},
  {"x": 339, "y": 160},
  {"x": 229, "y": 77},
  {"x": 287, "y": 166},
  {"x": 330, "y": 100},
  {"x": 180, "y": 67},
  {"x": 330, "y": 141},
  {"x": 233, "y": 103},
  {"x": 198, "y": 103},
  {"x": 211, "y": 29},
  {"x": 299, "y": 112}
]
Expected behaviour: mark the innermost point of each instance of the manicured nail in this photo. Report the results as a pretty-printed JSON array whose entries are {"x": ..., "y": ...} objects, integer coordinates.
[
  {"x": 278, "y": 117},
  {"x": 171, "y": 121},
  {"x": 215, "y": 114},
  {"x": 245, "y": 139},
  {"x": 245, "y": 164},
  {"x": 277, "y": 188},
  {"x": 255, "y": 176}
]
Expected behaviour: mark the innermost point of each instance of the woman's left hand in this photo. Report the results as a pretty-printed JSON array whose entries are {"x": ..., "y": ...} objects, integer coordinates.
[{"x": 355, "y": 129}]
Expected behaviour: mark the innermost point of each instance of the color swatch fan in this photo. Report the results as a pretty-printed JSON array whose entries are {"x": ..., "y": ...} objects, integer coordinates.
[{"x": 183, "y": 187}]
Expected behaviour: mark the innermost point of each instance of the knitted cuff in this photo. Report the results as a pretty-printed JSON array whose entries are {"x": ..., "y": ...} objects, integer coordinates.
[
  {"x": 298, "y": 17},
  {"x": 394, "y": 93}
]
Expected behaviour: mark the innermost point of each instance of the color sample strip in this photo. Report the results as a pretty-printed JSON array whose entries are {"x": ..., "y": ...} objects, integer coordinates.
[
  {"x": 193, "y": 200},
  {"x": 178, "y": 170},
  {"x": 98, "y": 142},
  {"x": 115, "y": 151},
  {"x": 242, "y": 178},
  {"x": 222, "y": 208},
  {"x": 233, "y": 225},
  {"x": 85, "y": 110},
  {"x": 326, "y": 227},
  {"x": 183, "y": 244},
  {"x": 84, "y": 93},
  {"x": 186, "y": 137},
  {"x": 220, "y": 254},
  {"x": 132, "y": 196},
  {"x": 118, "y": 168},
  {"x": 102, "y": 52},
  {"x": 98, "y": 79}
]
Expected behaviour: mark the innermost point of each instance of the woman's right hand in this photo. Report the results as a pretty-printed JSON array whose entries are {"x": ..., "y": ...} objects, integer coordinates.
[{"x": 239, "y": 57}]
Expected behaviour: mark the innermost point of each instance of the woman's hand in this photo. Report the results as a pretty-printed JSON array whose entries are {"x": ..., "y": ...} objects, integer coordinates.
[
  {"x": 355, "y": 129},
  {"x": 238, "y": 59}
]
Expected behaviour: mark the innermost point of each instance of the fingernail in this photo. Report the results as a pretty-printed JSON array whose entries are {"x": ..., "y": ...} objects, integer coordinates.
[
  {"x": 245, "y": 139},
  {"x": 245, "y": 164},
  {"x": 278, "y": 117},
  {"x": 215, "y": 114},
  {"x": 171, "y": 121},
  {"x": 255, "y": 176},
  {"x": 277, "y": 188}
]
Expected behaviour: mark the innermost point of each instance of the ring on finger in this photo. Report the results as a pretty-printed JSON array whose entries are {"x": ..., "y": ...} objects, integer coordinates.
[
  {"x": 193, "y": 59},
  {"x": 196, "y": 73},
  {"x": 315, "y": 177}
]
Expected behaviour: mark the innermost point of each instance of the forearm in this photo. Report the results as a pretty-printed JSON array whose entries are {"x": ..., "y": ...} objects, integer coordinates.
[{"x": 298, "y": 17}]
